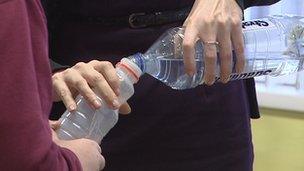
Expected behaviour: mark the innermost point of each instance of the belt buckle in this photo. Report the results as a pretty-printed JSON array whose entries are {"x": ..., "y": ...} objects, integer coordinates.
[{"x": 133, "y": 17}]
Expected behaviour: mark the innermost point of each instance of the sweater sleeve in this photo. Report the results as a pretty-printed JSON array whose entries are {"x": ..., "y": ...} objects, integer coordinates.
[{"x": 25, "y": 92}]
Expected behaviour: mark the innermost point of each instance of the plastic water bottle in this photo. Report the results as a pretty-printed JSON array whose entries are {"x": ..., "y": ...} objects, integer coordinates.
[
  {"x": 87, "y": 122},
  {"x": 273, "y": 46}
]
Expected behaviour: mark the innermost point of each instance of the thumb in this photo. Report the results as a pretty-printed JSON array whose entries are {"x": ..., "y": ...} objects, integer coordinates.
[
  {"x": 125, "y": 109},
  {"x": 54, "y": 124}
]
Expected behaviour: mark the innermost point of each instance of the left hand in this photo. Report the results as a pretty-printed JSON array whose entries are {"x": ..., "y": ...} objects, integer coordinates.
[
  {"x": 87, "y": 151},
  {"x": 211, "y": 22}
]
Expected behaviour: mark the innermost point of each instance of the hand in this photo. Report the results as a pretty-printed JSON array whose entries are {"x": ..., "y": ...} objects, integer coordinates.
[
  {"x": 81, "y": 78},
  {"x": 87, "y": 151},
  {"x": 214, "y": 21}
]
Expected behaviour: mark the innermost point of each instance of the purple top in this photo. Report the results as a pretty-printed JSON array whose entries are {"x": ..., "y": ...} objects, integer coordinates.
[
  {"x": 205, "y": 128},
  {"x": 25, "y": 96}
]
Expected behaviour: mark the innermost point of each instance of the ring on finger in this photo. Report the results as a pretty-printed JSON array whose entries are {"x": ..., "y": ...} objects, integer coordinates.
[{"x": 215, "y": 43}]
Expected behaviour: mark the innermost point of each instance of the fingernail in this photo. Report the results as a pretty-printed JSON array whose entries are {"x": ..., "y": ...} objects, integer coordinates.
[
  {"x": 71, "y": 107},
  {"x": 115, "y": 103},
  {"x": 97, "y": 103}
]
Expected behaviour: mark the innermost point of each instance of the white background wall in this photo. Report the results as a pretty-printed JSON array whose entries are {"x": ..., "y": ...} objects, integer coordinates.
[{"x": 284, "y": 92}]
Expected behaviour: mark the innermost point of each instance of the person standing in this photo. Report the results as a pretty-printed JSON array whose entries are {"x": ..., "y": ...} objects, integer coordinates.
[
  {"x": 27, "y": 142},
  {"x": 205, "y": 128}
]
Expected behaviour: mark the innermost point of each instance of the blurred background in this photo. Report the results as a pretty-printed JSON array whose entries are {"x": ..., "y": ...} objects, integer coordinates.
[{"x": 279, "y": 134}]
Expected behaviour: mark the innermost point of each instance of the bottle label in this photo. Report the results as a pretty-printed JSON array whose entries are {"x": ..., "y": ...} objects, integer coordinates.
[
  {"x": 236, "y": 76},
  {"x": 257, "y": 24}
]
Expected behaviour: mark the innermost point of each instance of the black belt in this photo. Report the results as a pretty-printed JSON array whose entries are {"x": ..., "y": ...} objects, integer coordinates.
[{"x": 135, "y": 20}]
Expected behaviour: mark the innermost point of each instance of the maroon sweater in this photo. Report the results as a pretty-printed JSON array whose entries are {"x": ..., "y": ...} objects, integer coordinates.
[{"x": 25, "y": 92}]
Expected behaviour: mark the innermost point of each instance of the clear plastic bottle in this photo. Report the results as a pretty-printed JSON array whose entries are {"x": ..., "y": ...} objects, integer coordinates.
[
  {"x": 86, "y": 122},
  {"x": 273, "y": 46}
]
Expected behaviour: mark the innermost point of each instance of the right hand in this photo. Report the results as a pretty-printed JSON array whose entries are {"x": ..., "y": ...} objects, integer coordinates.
[
  {"x": 81, "y": 78},
  {"x": 87, "y": 151},
  {"x": 215, "y": 23}
]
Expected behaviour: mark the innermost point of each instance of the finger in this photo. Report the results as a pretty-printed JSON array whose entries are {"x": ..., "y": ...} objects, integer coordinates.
[
  {"x": 125, "y": 109},
  {"x": 98, "y": 148},
  {"x": 54, "y": 124},
  {"x": 63, "y": 91},
  {"x": 238, "y": 44},
  {"x": 78, "y": 82},
  {"x": 102, "y": 87},
  {"x": 225, "y": 52},
  {"x": 208, "y": 36},
  {"x": 191, "y": 34},
  {"x": 210, "y": 60},
  {"x": 54, "y": 136},
  {"x": 102, "y": 163},
  {"x": 109, "y": 73}
]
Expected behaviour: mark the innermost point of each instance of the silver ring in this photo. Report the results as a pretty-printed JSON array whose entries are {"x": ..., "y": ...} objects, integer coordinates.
[{"x": 211, "y": 43}]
